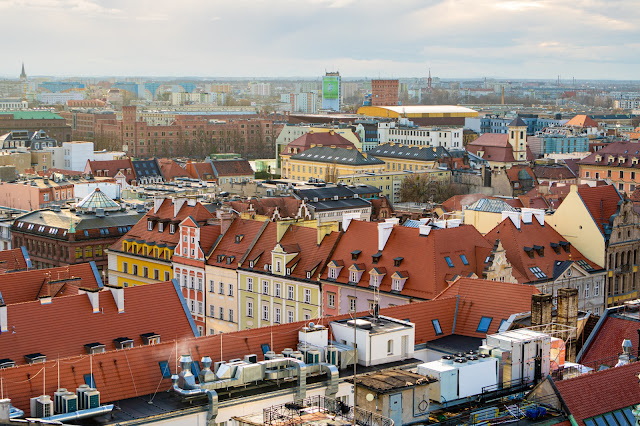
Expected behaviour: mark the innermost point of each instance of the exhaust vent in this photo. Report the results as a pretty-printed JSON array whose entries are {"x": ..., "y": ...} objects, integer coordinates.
[
  {"x": 94, "y": 348},
  {"x": 35, "y": 358},
  {"x": 123, "y": 343}
]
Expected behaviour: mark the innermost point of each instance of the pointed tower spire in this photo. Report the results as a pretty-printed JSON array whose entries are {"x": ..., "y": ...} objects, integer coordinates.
[{"x": 23, "y": 75}]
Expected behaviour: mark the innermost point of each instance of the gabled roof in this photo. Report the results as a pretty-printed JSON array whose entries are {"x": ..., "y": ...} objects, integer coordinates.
[
  {"x": 424, "y": 256},
  {"x": 287, "y": 207},
  {"x": 521, "y": 172},
  {"x": 601, "y": 392},
  {"x": 329, "y": 139},
  {"x": 518, "y": 243},
  {"x": 111, "y": 167},
  {"x": 324, "y": 154},
  {"x": 581, "y": 121},
  {"x": 602, "y": 203},
  {"x": 158, "y": 308},
  {"x": 27, "y": 286},
  {"x": 605, "y": 344},
  {"x": 554, "y": 172},
  {"x": 202, "y": 171},
  {"x": 409, "y": 152},
  {"x": 140, "y": 230},
  {"x": 496, "y": 147},
  {"x": 170, "y": 169},
  {"x": 235, "y": 242},
  {"x": 459, "y": 202},
  {"x": 491, "y": 205},
  {"x": 518, "y": 122},
  {"x": 628, "y": 151},
  {"x": 232, "y": 167},
  {"x": 14, "y": 260},
  {"x": 493, "y": 299}
]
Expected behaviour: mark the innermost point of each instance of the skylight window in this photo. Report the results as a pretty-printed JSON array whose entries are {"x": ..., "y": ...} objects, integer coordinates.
[
  {"x": 164, "y": 369},
  {"x": 484, "y": 324},
  {"x": 436, "y": 326},
  {"x": 538, "y": 272},
  {"x": 584, "y": 265},
  {"x": 449, "y": 261},
  {"x": 464, "y": 259}
]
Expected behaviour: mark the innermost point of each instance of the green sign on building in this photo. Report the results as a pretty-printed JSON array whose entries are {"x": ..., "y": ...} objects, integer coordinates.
[{"x": 330, "y": 86}]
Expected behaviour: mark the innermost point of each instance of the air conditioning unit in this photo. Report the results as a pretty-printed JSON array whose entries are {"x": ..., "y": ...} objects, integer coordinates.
[
  {"x": 91, "y": 399},
  {"x": 57, "y": 399},
  {"x": 41, "y": 406},
  {"x": 80, "y": 391},
  {"x": 252, "y": 358},
  {"x": 69, "y": 403},
  {"x": 313, "y": 357}
]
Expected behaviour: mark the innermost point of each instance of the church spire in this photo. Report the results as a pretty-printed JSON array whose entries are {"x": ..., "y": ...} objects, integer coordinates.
[{"x": 23, "y": 75}]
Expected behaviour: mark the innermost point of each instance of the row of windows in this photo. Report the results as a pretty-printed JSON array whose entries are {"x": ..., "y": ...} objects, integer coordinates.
[
  {"x": 145, "y": 271},
  {"x": 277, "y": 313},
  {"x": 221, "y": 288},
  {"x": 212, "y": 313},
  {"x": 265, "y": 289}
]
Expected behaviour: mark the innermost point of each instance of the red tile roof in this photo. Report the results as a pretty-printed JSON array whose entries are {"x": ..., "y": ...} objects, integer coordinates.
[
  {"x": 26, "y": 286},
  {"x": 235, "y": 167},
  {"x": 297, "y": 239},
  {"x": 482, "y": 298},
  {"x": 170, "y": 169},
  {"x": 627, "y": 150},
  {"x": 111, "y": 167},
  {"x": 607, "y": 342},
  {"x": 202, "y": 171},
  {"x": 12, "y": 260},
  {"x": 555, "y": 172},
  {"x": 423, "y": 256},
  {"x": 458, "y": 202},
  {"x": 71, "y": 322},
  {"x": 601, "y": 201},
  {"x": 140, "y": 230},
  {"x": 581, "y": 121},
  {"x": 235, "y": 242},
  {"x": 601, "y": 392},
  {"x": 532, "y": 234},
  {"x": 305, "y": 142},
  {"x": 496, "y": 148}
]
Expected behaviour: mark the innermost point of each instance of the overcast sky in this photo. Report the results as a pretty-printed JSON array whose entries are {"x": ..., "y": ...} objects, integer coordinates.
[{"x": 585, "y": 39}]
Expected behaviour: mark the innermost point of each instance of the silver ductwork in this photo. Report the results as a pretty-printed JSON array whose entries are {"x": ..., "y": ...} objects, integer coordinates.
[{"x": 79, "y": 415}]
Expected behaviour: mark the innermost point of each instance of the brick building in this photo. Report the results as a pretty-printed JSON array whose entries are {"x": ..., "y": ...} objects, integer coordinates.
[
  {"x": 384, "y": 92},
  {"x": 55, "y": 126},
  {"x": 83, "y": 122}
]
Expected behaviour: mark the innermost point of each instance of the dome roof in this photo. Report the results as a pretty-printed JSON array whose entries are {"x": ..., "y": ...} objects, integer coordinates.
[{"x": 97, "y": 200}]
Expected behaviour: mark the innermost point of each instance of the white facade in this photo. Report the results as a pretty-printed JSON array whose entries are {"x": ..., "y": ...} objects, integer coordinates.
[
  {"x": 181, "y": 98},
  {"x": 106, "y": 156},
  {"x": 260, "y": 89},
  {"x": 626, "y": 103},
  {"x": 13, "y": 104},
  {"x": 76, "y": 155},
  {"x": 450, "y": 138},
  {"x": 59, "y": 97},
  {"x": 306, "y": 102}
]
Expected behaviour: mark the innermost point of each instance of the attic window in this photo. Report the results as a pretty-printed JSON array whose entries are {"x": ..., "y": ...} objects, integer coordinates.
[
  {"x": 355, "y": 254},
  {"x": 150, "y": 338},
  {"x": 555, "y": 247},
  {"x": 94, "y": 348},
  {"x": 584, "y": 265},
  {"x": 149, "y": 225},
  {"x": 164, "y": 369},
  {"x": 449, "y": 261},
  {"x": 376, "y": 257},
  {"x": 538, "y": 272},
  {"x": 7, "y": 363},
  {"x": 89, "y": 380},
  {"x": 484, "y": 324},
  {"x": 239, "y": 238},
  {"x": 436, "y": 327},
  {"x": 397, "y": 284},
  {"x": 172, "y": 228},
  {"x": 221, "y": 258},
  {"x": 251, "y": 264},
  {"x": 288, "y": 271},
  {"x": 308, "y": 275},
  {"x": 397, "y": 261},
  {"x": 539, "y": 250},
  {"x": 464, "y": 259},
  {"x": 529, "y": 252},
  {"x": 160, "y": 227},
  {"x": 123, "y": 343},
  {"x": 35, "y": 358},
  {"x": 566, "y": 245},
  {"x": 230, "y": 259}
]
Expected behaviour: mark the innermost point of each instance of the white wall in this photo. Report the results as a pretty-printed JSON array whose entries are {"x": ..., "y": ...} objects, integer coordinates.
[{"x": 76, "y": 155}]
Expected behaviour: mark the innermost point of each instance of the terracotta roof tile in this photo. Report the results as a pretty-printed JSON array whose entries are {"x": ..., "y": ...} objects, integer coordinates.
[
  {"x": 170, "y": 169},
  {"x": 458, "y": 202},
  {"x": 235, "y": 242},
  {"x": 112, "y": 167},
  {"x": 202, "y": 171},
  {"x": 235, "y": 167},
  {"x": 26, "y": 286},
  {"x": 154, "y": 308},
  {"x": 496, "y": 147},
  {"x": 581, "y": 121},
  {"x": 602, "y": 203},
  {"x": 14, "y": 259},
  {"x": 627, "y": 150},
  {"x": 555, "y": 172},
  {"x": 607, "y": 342},
  {"x": 305, "y": 141},
  {"x": 287, "y": 207}
]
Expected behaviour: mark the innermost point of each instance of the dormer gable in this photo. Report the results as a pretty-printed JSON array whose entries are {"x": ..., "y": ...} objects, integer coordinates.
[
  {"x": 333, "y": 269},
  {"x": 398, "y": 279},
  {"x": 375, "y": 276},
  {"x": 355, "y": 272}
]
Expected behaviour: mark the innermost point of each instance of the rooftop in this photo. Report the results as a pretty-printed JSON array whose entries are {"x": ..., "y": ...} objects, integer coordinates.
[
  {"x": 392, "y": 380},
  {"x": 32, "y": 115},
  {"x": 346, "y": 156},
  {"x": 409, "y": 152}
]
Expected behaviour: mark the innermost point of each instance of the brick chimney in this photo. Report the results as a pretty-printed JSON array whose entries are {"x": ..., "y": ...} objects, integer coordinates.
[
  {"x": 568, "y": 316},
  {"x": 541, "y": 308}
]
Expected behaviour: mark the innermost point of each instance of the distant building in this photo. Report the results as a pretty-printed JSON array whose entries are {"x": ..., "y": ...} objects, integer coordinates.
[
  {"x": 232, "y": 170},
  {"x": 328, "y": 163},
  {"x": 384, "y": 92},
  {"x": 57, "y": 98},
  {"x": 331, "y": 91},
  {"x": 399, "y": 157},
  {"x": 53, "y": 124},
  {"x": 9, "y": 104},
  {"x": 305, "y": 102},
  {"x": 83, "y": 122},
  {"x": 616, "y": 163},
  {"x": 260, "y": 89},
  {"x": 422, "y": 115},
  {"x": 504, "y": 150},
  {"x": 449, "y": 138}
]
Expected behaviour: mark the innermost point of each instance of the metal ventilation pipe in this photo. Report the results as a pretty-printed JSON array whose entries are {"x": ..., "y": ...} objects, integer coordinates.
[
  {"x": 197, "y": 391},
  {"x": 82, "y": 414}
]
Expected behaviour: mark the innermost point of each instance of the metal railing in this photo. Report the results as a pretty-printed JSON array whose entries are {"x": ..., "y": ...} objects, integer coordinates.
[{"x": 294, "y": 412}]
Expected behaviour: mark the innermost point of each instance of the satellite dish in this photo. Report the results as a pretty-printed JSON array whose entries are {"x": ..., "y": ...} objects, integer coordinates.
[{"x": 369, "y": 397}]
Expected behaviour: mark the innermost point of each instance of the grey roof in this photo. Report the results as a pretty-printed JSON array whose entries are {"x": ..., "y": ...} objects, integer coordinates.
[
  {"x": 412, "y": 223},
  {"x": 329, "y": 192},
  {"x": 490, "y": 205},
  {"x": 62, "y": 220},
  {"x": 410, "y": 152},
  {"x": 325, "y": 154},
  {"x": 518, "y": 122},
  {"x": 348, "y": 203},
  {"x": 146, "y": 168}
]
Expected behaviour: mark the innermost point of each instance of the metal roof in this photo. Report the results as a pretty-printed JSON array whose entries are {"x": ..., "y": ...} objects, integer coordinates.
[
  {"x": 325, "y": 154},
  {"x": 490, "y": 205}
]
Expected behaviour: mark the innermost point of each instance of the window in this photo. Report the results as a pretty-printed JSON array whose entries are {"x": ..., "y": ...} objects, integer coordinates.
[
  {"x": 278, "y": 289},
  {"x": 167, "y": 276},
  {"x": 250, "y": 308},
  {"x": 265, "y": 312},
  {"x": 390, "y": 347},
  {"x": 586, "y": 291},
  {"x": 172, "y": 228},
  {"x": 353, "y": 277},
  {"x": 230, "y": 289},
  {"x": 621, "y": 187},
  {"x": 596, "y": 288},
  {"x": 484, "y": 324},
  {"x": 221, "y": 290},
  {"x": 212, "y": 286},
  {"x": 135, "y": 269},
  {"x": 212, "y": 311},
  {"x": 192, "y": 282},
  {"x": 333, "y": 273},
  {"x": 331, "y": 300},
  {"x": 156, "y": 275},
  {"x": 265, "y": 287},
  {"x": 200, "y": 308},
  {"x": 230, "y": 315},
  {"x": 290, "y": 292},
  {"x": 290, "y": 316},
  {"x": 149, "y": 225},
  {"x": 464, "y": 259},
  {"x": 221, "y": 313},
  {"x": 278, "y": 265},
  {"x": 89, "y": 380},
  {"x": 249, "y": 284},
  {"x": 538, "y": 272},
  {"x": 436, "y": 326},
  {"x": 276, "y": 315},
  {"x": 164, "y": 369},
  {"x": 160, "y": 227},
  {"x": 125, "y": 267},
  {"x": 449, "y": 262},
  {"x": 193, "y": 307},
  {"x": 352, "y": 304},
  {"x": 307, "y": 295}
]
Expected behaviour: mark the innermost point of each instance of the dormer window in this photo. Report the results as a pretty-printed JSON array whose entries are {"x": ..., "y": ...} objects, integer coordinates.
[
  {"x": 221, "y": 258},
  {"x": 539, "y": 250},
  {"x": 160, "y": 227},
  {"x": 598, "y": 158},
  {"x": 239, "y": 238},
  {"x": 251, "y": 263},
  {"x": 634, "y": 161},
  {"x": 555, "y": 247},
  {"x": 354, "y": 276},
  {"x": 376, "y": 257},
  {"x": 149, "y": 225},
  {"x": 355, "y": 254},
  {"x": 375, "y": 276},
  {"x": 398, "y": 279},
  {"x": 529, "y": 252},
  {"x": 150, "y": 338},
  {"x": 278, "y": 265},
  {"x": 288, "y": 271},
  {"x": 172, "y": 228},
  {"x": 397, "y": 261},
  {"x": 308, "y": 275},
  {"x": 611, "y": 159}
]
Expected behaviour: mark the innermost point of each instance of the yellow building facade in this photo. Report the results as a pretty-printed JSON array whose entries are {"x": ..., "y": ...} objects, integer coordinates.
[{"x": 139, "y": 263}]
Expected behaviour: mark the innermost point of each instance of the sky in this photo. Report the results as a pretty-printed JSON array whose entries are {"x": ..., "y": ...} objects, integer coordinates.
[{"x": 585, "y": 39}]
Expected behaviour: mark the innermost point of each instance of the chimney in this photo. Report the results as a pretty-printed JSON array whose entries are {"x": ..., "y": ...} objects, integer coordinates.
[
  {"x": 425, "y": 230},
  {"x": 536, "y": 213},
  {"x": 541, "y": 307},
  {"x": 347, "y": 218},
  {"x": 157, "y": 202},
  {"x": 384, "y": 232},
  {"x": 281, "y": 228},
  {"x": 514, "y": 216},
  {"x": 568, "y": 316},
  {"x": 526, "y": 216},
  {"x": 323, "y": 229},
  {"x": 94, "y": 297},
  {"x": 5, "y": 410},
  {"x": 177, "y": 205},
  {"x": 118, "y": 296},
  {"x": 4, "y": 324},
  {"x": 226, "y": 218}
]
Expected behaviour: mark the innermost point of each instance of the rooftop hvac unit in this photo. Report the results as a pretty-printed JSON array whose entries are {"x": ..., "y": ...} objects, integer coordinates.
[
  {"x": 57, "y": 399},
  {"x": 69, "y": 403},
  {"x": 91, "y": 399},
  {"x": 313, "y": 357},
  {"x": 297, "y": 355},
  {"x": 80, "y": 391},
  {"x": 41, "y": 406},
  {"x": 269, "y": 355},
  {"x": 252, "y": 358},
  {"x": 217, "y": 364},
  {"x": 286, "y": 352},
  {"x": 332, "y": 355}
]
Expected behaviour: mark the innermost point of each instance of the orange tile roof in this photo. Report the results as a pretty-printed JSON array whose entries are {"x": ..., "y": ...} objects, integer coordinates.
[
  {"x": 601, "y": 392},
  {"x": 482, "y": 298},
  {"x": 71, "y": 323},
  {"x": 581, "y": 121},
  {"x": 532, "y": 234},
  {"x": 423, "y": 256},
  {"x": 287, "y": 207},
  {"x": 305, "y": 142},
  {"x": 14, "y": 259},
  {"x": 607, "y": 341},
  {"x": 202, "y": 171},
  {"x": 26, "y": 286},
  {"x": 235, "y": 242},
  {"x": 457, "y": 202},
  {"x": 139, "y": 231},
  {"x": 170, "y": 169},
  {"x": 602, "y": 203},
  {"x": 297, "y": 239},
  {"x": 233, "y": 167},
  {"x": 496, "y": 147},
  {"x": 112, "y": 167}
]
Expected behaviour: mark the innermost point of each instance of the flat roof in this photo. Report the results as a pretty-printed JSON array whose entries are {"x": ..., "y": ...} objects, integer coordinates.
[{"x": 413, "y": 111}]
